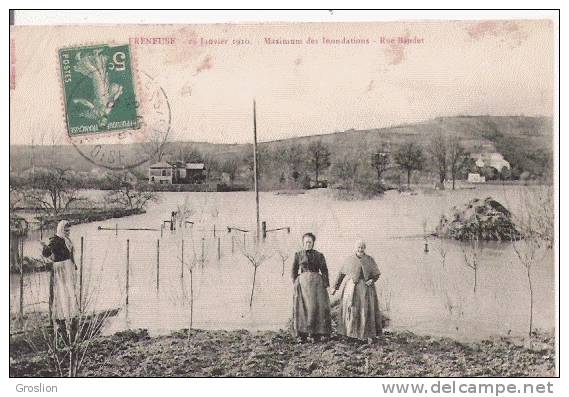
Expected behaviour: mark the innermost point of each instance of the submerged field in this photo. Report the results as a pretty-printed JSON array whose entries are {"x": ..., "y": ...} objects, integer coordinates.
[{"x": 421, "y": 292}]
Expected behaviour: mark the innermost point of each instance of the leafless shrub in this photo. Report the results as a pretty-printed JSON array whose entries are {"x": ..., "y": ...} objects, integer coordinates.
[
  {"x": 472, "y": 250},
  {"x": 256, "y": 254},
  {"x": 442, "y": 250},
  {"x": 535, "y": 220},
  {"x": 194, "y": 260},
  {"x": 67, "y": 342}
]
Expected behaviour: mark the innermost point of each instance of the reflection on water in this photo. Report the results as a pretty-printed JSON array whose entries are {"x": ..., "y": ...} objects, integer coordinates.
[{"x": 419, "y": 291}]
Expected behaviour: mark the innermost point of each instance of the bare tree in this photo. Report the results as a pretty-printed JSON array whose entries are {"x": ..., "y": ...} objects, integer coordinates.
[
  {"x": 127, "y": 192},
  {"x": 263, "y": 161},
  {"x": 472, "y": 251},
  {"x": 526, "y": 250},
  {"x": 156, "y": 147},
  {"x": 256, "y": 255},
  {"x": 380, "y": 161},
  {"x": 456, "y": 158},
  {"x": 438, "y": 148},
  {"x": 318, "y": 158},
  {"x": 537, "y": 212},
  {"x": 345, "y": 171},
  {"x": 442, "y": 249},
  {"x": 535, "y": 222},
  {"x": 54, "y": 190},
  {"x": 16, "y": 191},
  {"x": 189, "y": 154},
  {"x": 294, "y": 158},
  {"x": 410, "y": 157}
]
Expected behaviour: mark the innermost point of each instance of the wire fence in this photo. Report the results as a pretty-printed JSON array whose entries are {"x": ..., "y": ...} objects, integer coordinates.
[{"x": 119, "y": 268}]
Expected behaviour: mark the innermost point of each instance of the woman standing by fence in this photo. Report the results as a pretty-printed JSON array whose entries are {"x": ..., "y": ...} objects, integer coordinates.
[{"x": 64, "y": 301}]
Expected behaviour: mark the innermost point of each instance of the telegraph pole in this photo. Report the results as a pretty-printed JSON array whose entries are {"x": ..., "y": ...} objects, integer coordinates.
[{"x": 256, "y": 167}]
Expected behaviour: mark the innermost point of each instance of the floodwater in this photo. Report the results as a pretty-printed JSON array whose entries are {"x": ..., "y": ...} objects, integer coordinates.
[{"x": 418, "y": 290}]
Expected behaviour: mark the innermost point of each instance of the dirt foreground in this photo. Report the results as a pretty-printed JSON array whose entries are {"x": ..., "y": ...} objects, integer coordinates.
[{"x": 246, "y": 354}]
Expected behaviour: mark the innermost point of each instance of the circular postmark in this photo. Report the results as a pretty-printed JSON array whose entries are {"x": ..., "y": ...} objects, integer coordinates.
[{"x": 141, "y": 141}]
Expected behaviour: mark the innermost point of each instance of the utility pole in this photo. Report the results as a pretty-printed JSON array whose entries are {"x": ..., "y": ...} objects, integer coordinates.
[{"x": 256, "y": 167}]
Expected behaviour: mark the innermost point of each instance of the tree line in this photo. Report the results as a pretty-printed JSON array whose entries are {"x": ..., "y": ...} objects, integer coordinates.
[{"x": 367, "y": 170}]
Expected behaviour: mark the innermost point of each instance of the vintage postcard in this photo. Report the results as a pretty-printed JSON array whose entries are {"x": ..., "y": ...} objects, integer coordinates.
[{"x": 353, "y": 199}]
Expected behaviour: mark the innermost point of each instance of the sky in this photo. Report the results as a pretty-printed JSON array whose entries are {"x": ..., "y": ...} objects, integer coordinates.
[{"x": 349, "y": 75}]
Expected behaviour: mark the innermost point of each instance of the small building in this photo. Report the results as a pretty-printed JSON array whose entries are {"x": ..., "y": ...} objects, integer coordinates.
[
  {"x": 493, "y": 159},
  {"x": 179, "y": 173},
  {"x": 195, "y": 172},
  {"x": 160, "y": 172},
  {"x": 476, "y": 178}
]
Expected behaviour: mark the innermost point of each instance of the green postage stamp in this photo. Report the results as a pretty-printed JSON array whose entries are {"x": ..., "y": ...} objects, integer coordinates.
[{"x": 99, "y": 92}]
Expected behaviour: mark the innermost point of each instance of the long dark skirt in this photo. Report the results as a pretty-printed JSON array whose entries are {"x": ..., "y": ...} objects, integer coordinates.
[
  {"x": 359, "y": 311},
  {"x": 311, "y": 306}
]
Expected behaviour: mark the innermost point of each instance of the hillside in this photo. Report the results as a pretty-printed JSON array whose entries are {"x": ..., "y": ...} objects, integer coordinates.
[{"x": 526, "y": 142}]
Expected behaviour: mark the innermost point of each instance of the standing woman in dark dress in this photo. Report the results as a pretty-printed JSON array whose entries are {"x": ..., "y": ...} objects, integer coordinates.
[
  {"x": 60, "y": 251},
  {"x": 311, "y": 304}
]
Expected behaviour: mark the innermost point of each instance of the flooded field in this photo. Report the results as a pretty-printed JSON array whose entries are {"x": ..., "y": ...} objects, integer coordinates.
[{"x": 419, "y": 291}]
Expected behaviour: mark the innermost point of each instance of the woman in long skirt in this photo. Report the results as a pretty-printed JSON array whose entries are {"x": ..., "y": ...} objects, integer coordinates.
[
  {"x": 359, "y": 306},
  {"x": 311, "y": 304},
  {"x": 64, "y": 304}
]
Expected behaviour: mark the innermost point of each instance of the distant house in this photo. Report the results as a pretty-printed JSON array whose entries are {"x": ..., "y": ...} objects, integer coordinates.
[
  {"x": 476, "y": 178},
  {"x": 160, "y": 173},
  {"x": 492, "y": 159},
  {"x": 177, "y": 173},
  {"x": 195, "y": 172}
]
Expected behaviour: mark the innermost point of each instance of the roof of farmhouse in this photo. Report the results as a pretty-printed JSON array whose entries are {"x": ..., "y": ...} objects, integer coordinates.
[
  {"x": 189, "y": 166},
  {"x": 161, "y": 164},
  {"x": 195, "y": 166}
]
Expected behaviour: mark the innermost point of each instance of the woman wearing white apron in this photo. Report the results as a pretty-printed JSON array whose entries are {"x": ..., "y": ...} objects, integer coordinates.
[
  {"x": 64, "y": 297},
  {"x": 359, "y": 306}
]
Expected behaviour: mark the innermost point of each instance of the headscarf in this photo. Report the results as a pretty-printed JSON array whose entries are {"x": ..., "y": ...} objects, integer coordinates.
[
  {"x": 60, "y": 232},
  {"x": 359, "y": 242},
  {"x": 366, "y": 266}
]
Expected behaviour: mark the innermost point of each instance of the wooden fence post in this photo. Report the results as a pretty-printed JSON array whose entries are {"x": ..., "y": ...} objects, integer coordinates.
[
  {"x": 218, "y": 248},
  {"x": 232, "y": 244},
  {"x": 127, "y": 268},
  {"x": 81, "y": 278},
  {"x": 21, "y": 249},
  {"x": 203, "y": 243},
  {"x": 157, "y": 266},
  {"x": 116, "y": 229}
]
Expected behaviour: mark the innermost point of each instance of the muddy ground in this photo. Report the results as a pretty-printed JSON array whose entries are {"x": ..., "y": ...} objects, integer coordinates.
[{"x": 243, "y": 353}]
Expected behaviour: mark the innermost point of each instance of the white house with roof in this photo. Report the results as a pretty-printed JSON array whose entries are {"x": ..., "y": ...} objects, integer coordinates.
[
  {"x": 160, "y": 172},
  {"x": 493, "y": 159},
  {"x": 176, "y": 172}
]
